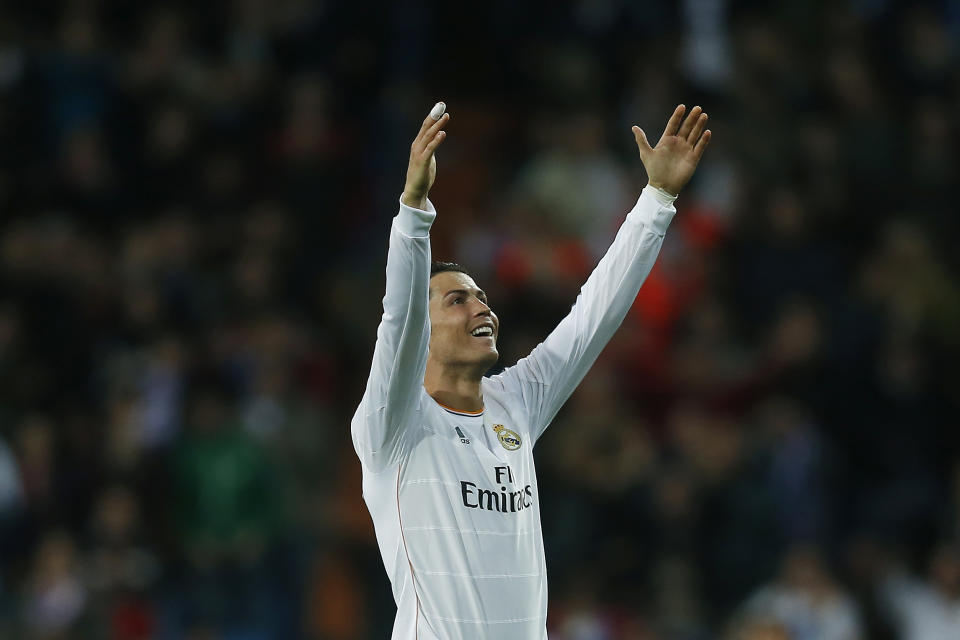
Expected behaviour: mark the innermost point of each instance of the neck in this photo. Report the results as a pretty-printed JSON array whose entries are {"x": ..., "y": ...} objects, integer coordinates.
[{"x": 457, "y": 387}]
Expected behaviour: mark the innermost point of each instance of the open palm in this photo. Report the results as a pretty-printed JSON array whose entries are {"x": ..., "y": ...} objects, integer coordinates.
[
  {"x": 671, "y": 164},
  {"x": 422, "y": 167}
]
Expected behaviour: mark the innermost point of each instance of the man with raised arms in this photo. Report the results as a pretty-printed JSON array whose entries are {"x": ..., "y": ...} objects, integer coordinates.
[{"x": 447, "y": 454}]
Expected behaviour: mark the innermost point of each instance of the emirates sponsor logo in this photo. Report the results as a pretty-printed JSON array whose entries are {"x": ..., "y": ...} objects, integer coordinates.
[{"x": 503, "y": 501}]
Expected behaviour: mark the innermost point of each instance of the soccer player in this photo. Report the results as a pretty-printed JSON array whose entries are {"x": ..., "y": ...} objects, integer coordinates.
[{"x": 447, "y": 453}]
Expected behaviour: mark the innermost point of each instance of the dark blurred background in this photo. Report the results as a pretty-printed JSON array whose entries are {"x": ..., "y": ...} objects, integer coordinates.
[{"x": 194, "y": 208}]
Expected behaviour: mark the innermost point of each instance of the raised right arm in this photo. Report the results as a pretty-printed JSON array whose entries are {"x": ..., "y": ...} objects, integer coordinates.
[{"x": 400, "y": 355}]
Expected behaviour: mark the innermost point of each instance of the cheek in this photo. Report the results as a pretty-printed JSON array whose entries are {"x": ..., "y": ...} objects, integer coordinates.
[{"x": 441, "y": 332}]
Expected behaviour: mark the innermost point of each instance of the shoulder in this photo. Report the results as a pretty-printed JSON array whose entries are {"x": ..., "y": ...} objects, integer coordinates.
[{"x": 500, "y": 386}]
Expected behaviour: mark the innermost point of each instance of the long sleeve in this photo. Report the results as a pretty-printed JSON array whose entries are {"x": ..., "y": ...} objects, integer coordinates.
[
  {"x": 400, "y": 355},
  {"x": 547, "y": 377}
]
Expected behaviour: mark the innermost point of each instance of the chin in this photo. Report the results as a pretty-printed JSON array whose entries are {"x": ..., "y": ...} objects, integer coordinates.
[
  {"x": 478, "y": 356},
  {"x": 490, "y": 358}
]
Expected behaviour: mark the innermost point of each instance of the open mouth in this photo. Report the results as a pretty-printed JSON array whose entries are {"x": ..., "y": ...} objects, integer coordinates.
[{"x": 482, "y": 332}]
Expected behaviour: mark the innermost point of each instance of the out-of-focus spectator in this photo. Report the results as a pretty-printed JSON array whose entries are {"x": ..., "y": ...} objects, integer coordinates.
[
  {"x": 56, "y": 596},
  {"x": 121, "y": 570},
  {"x": 11, "y": 493},
  {"x": 38, "y": 468},
  {"x": 11, "y": 504},
  {"x": 798, "y": 467},
  {"x": 927, "y": 609},
  {"x": 228, "y": 509},
  {"x": 574, "y": 186},
  {"x": 806, "y": 600},
  {"x": 224, "y": 487},
  {"x": 758, "y": 629}
]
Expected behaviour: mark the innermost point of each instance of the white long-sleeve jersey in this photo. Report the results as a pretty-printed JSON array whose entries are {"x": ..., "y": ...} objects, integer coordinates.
[{"x": 453, "y": 495}]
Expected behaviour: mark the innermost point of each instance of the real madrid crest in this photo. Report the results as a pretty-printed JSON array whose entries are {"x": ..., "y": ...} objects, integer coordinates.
[{"x": 509, "y": 439}]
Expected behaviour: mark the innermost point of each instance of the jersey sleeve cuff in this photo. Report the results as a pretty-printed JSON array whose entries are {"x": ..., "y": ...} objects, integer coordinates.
[
  {"x": 415, "y": 223},
  {"x": 654, "y": 209}
]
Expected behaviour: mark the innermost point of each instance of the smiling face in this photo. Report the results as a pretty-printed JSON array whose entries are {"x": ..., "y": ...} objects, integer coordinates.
[{"x": 463, "y": 329}]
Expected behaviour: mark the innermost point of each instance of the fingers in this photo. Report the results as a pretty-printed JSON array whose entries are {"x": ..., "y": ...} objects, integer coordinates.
[
  {"x": 697, "y": 128},
  {"x": 674, "y": 122},
  {"x": 429, "y": 121},
  {"x": 642, "y": 142},
  {"x": 438, "y": 110},
  {"x": 701, "y": 144},
  {"x": 689, "y": 123},
  {"x": 429, "y": 133},
  {"x": 439, "y": 137}
]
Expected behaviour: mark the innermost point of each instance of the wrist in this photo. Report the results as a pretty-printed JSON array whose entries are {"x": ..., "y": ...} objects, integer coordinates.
[
  {"x": 414, "y": 201},
  {"x": 663, "y": 198},
  {"x": 662, "y": 187}
]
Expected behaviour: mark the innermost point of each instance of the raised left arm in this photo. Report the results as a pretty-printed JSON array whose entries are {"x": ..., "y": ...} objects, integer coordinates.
[{"x": 547, "y": 377}]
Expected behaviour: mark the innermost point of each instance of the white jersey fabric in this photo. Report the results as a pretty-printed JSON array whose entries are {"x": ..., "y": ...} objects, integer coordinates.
[{"x": 453, "y": 495}]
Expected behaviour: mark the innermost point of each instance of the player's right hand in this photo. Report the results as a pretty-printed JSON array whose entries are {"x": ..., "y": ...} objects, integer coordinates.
[{"x": 422, "y": 168}]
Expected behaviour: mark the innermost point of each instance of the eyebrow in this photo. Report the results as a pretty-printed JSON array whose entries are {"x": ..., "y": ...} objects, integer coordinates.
[{"x": 480, "y": 292}]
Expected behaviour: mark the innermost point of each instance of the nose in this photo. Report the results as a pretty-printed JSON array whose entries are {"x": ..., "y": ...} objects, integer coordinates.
[{"x": 482, "y": 308}]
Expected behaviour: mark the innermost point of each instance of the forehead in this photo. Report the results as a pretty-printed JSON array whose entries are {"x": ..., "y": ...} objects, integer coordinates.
[{"x": 451, "y": 280}]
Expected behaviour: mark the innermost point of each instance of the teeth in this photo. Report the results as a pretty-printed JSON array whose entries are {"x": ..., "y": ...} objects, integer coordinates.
[{"x": 482, "y": 331}]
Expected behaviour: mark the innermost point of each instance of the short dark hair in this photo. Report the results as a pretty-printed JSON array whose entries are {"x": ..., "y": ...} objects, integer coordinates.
[{"x": 438, "y": 266}]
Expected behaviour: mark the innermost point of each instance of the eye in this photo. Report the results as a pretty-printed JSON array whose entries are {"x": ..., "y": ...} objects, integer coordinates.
[{"x": 458, "y": 300}]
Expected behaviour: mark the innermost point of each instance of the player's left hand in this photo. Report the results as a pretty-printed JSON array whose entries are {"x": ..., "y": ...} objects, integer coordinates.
[{"x": 671, "y": 164}]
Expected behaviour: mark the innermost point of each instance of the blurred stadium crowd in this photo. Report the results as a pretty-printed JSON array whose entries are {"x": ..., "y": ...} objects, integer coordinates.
[{"x": 194, "y": 207}]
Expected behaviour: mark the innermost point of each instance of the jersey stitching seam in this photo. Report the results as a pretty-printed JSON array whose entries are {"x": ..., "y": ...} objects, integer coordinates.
[
  {"x": 413, "y": 581},
  {"x": 508, "y": 621},
  {"x": 492, "y": 576},
  {"x": 476, "y": 531}
]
